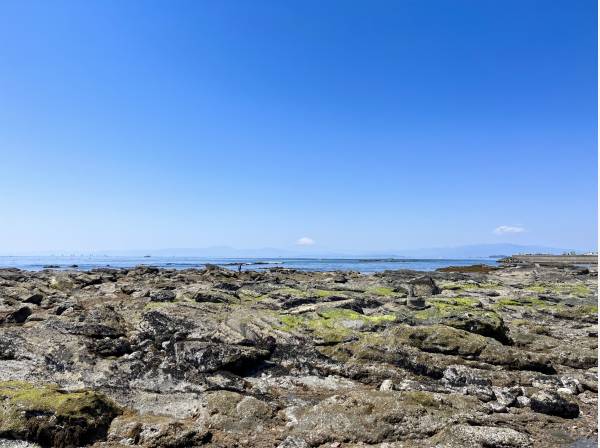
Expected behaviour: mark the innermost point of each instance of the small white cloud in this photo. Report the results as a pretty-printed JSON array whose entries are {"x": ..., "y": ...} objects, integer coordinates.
[
  {"x": 503, "y": 230},
  {"x": 305, "y": 241}
]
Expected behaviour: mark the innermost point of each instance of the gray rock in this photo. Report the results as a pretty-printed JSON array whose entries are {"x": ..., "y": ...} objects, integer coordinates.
[
  {"x": 458, "y": 436},
  {"x": 162, "y": 296},
  {"x": 585, "y": 443},
  {"x": 507, "y": 397},
  {"x": 422, "y": 287},
  {"x": 293, "y": 442},
  {"x": 573, "y": 385}
]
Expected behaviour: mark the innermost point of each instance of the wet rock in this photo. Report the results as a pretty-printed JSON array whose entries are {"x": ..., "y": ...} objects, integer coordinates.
[{"x": 551, "y": 403}]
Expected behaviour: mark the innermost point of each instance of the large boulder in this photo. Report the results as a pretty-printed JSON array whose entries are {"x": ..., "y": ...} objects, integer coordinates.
[
  {"x": 422, "y": 287},
  {"x": 465, "y": 314},
  {"x": 52, "y": 417}
]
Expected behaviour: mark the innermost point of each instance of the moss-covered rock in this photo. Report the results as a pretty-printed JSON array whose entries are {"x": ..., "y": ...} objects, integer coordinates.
[
  {"x": 52, "y": 417},
  {"x": 576, "y": 289},
  {"x": 465, "y": 314},
  {"x": 439, "y": 339},
  {"x": 333, "y": 325}
]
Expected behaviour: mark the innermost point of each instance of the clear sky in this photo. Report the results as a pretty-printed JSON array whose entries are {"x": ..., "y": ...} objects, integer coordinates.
[{"x": 348, "y": 125}]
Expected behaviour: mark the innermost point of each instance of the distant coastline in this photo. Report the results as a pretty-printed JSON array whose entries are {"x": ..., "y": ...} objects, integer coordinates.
[{"x": 365, "y": 265}]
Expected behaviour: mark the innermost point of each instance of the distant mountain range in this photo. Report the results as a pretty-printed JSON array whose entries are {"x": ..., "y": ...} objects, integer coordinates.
[{"x": 469, "y": 251}]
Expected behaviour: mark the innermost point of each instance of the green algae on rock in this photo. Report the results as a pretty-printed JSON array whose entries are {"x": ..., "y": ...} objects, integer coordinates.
[
  {"x": 289, "y": 358},
  {"x": 50, "y": 416},
  {"x": 333, "y": 325},
  {"x": 465, "y": 313}
]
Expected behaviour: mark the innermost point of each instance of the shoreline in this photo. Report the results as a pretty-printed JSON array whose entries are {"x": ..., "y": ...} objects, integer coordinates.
[{"x": 207, "y": 356}]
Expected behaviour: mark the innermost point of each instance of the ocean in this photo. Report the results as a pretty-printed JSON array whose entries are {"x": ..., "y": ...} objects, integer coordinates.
[{"x": 365, "y": 265}]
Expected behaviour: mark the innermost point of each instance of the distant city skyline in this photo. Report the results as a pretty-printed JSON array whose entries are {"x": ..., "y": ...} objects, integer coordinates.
[{"x": 350, "y": 127}]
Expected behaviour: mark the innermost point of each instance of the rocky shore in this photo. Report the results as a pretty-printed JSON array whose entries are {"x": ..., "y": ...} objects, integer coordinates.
[{"x": 165, "y": 358}]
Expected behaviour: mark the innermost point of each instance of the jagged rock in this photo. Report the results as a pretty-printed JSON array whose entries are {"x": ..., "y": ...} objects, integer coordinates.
[
  {"x": 507, "y": 396},
  {"x": 573, "y": 385},
  {"x": 295, "y": 358}
]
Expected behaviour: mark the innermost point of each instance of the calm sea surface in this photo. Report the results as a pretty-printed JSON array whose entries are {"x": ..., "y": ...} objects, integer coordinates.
[{"x": 305, "y": 264}]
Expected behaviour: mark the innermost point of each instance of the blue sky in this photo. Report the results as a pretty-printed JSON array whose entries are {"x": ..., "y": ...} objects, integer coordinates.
[{"x": 355, "y": 125}]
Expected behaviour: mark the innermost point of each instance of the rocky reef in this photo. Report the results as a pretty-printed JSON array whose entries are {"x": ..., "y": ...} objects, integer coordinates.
[{"x": 149, "y": 357}]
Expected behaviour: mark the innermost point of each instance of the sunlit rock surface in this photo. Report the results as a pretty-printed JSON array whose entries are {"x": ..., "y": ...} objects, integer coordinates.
[{"x": 166, "y": 358}]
